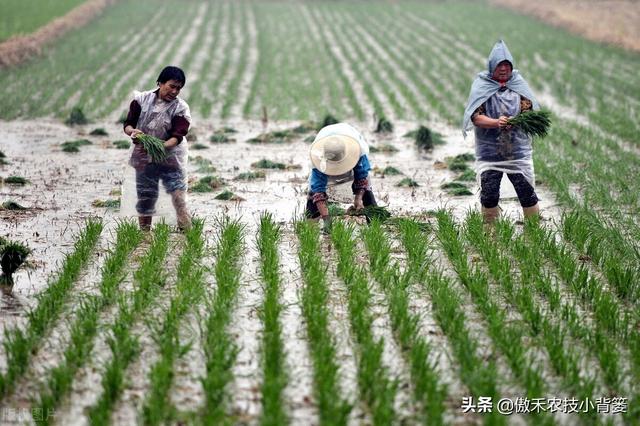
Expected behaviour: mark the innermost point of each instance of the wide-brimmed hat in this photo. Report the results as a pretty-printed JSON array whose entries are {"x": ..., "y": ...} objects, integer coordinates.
[{"x": 334, "y": 154}]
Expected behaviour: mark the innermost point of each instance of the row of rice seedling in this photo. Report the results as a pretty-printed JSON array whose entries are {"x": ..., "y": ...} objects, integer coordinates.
[
  {"x": 274, "y": 368},
  {"x": 481, "y": 377},
  {"x": 570, "y": 322},
  {"x": 149, "y": 279},
  {"x": 377, "y": 387},
  {"x": 564, "y": 361},
  {"x": 85, "y": 326},
  {"x": 333, "y": 407},
  {"x": 189, "y": 291},
  {"x": 508, "y": 337},
  {"x": 24, "y": 17},
  {"x": 219, "y": 347},
  {"x": 20, "y": 344},
  {"x": 428, "y": 390}
]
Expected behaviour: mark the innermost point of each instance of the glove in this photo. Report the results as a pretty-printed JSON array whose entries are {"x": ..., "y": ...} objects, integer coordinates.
[{"x": 326, "y": 225}]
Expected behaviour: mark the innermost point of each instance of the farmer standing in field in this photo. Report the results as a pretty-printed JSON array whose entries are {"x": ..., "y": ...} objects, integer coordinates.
[
  {"x": 338, "y": 155},
  {"x": 497, "y": 95},
  {"x": 160, "y": 113}
]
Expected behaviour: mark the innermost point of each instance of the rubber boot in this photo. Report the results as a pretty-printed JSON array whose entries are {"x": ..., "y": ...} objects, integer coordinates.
[
  {"x": 182, "y": 214},
  {"x": 145, "y": 222},
  {"x": 490, "y": 214}
]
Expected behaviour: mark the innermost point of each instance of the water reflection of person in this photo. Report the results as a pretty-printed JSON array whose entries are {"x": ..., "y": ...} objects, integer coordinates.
[
  {"x": 496, "y": 95},
  {"x": 338, "y": 154},
  {"x": 161, "y": 113}
]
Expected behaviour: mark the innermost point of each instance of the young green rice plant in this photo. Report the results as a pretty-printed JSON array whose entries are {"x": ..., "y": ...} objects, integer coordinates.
[
  {"x": 275, "y": 376},
  {"x": 391, "y": 171},
  {"x": 12, "y": 205},
  {"x": 12, "y": 256},
  {"x": 99, "y": 132},
  {"x": 457, "y": 165},
  {"x": 333, "y": 408},
  {"x": 221, "y": 138},
  {"x": 335, "y": 210},
  {"x": 384, "y": 126},
  {"x": 76, "y": 116},
  {"x": 154, "y": 147},
  {"x": 408, "y": 182},
  {"x": 268, "y": 164},
  {"x": 21, "y": 343},
  {"x": 480, "y": 378},
  {"x": 275, "y": 137},
  {"x": 122, "y": 144},
  {"x": 74, "y": 146},
  {"x": 379, "y": 213},
  {"x": 227, "y": 195},
  {"x": 425, "y": 138},
  {"x": 204, "y": 165},
  {"x": 207, "y": 184},
  {"x": 85, "y": 327},
  {"x": 428, "y": 391},
  {"x": 157, "y": 408},
  {"x": 250, "y": 176},
  {"x": 385, "y": 147},
  {"x": 199, "y": 146},
  {"x": 456, "y": 188},
  {"x": 149, "y": 279},
  {"x": 109, "y": 204},
  {"x": 376, "y": 388},
  {"x": 305, "y": 127},
  {"x": 219, "y": 347},
  {"x": 533, "y": 123},
  {"x": 328, "y": 120},
  {"x": 466, "y": 176},
  {"x": 15, "y": 180}
]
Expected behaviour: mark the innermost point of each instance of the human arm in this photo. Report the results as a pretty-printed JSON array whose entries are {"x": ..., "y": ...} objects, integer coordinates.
[
  {"x": 360, "y": 181},
  {"x": 179, "y": 129},
  {"x": 480, "y": 119},
  {"x": 130, "y": 123}
]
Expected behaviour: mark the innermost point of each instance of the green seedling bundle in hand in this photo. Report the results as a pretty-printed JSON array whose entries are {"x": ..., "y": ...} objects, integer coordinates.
[
  {"x": 533, "y": 123},
  {"x": 154, "y": 147},
  {"x": 12, "y": 255}
]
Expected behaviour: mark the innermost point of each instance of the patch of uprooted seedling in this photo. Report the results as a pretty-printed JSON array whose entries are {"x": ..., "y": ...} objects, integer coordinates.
[
  {"x": 207, "y": 184},
  {"x": 14, "y": 180},
  {"x": 425, "y": 138},
  {"x": 268, "y": 164},
  {"x": 379, "y": 213},
  {"x": 291, "y": 134},
  {"x": 12, "y": 256},
  {"x": 250, "y": 176},
  {"x": 466, "y": 174},
  {"x": 112, "y": 203},
  {"x": 387, "y": 171},
  {"x": 384, "y": 126},
  {"x": 99, "y": 132},
  {"x": 11, "y": 205},
  {"x": 199, "y": 146},
  {"x": 408, "y": 182},
  {"x": 3, "y": 159},
  {"x": 121, "y": 144},
  {"x": 76, "y": 117},
  {"x": 204, "y": 165},
  {"x": 222, "y": 135},
  {"x": 383, "y": 148},
  {"x": 228, "y": 195},
  {"x": 74, "y": 146}
]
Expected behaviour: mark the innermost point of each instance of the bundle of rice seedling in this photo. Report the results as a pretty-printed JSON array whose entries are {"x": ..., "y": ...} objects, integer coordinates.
[
  {"x": 12, "y": 255},
  {"x": 377, "y": 212},
  {"x": 408, "y": 182},
  {"x": 268, "y": 164},
  {"x": 122, "y": 144},
  {"x": 12, "y": 205},
  {"x": 384, "y": 126},
  {"x": 227, "y": 195},
  {"x": 110, "y": 204},
  {"x": 74, "y": 146},
  {"x": 99, "y": 132},
  {"x": 3, "y": 160},
  {"x": 15, "y": 180},
  {"x": 533, "y": 123},
  {"x": 199, "y": 146},
  {"x": 154, "y": 147},
  {"x": 220, "y": 138},
  {"x": 328, "y": 120},
  {"x": 425, "y": 138},
  {"x": 385, "y": 147},
  {"x": 207, "y": 184},
  {"x": 456, "y": 188},
  {"x": 249, "y": 176},
  {"x": 467, "y": 176},
  {"x": 76, "y": 117},
  {"x": 389, "y": 170},
  {"x": 335, "y": 210}
]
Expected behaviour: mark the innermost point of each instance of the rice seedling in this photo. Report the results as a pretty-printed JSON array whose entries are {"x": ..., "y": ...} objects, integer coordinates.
[
  {"x": 456, "y": 188},
  {"x": 333, "y": 408},
  {"x": 408, "y": 182},
  {"x": 425, "y": 138},
  {"x": 389, "y": 170},
  {"x": 219, "y": 347},
  {"x": 533, "y": 123},
  {"x": 76, "y": 116},
  {"x": 466, "y": 176},
  {"x": 99, "y": 132},
  {"x": 15, "y": 180},
  {"x": 305, "y": 127},
  {"x": 379, "y": 213},
  {"x": 275, "y": 137},
  {"x": 376, "y": 388},
  {"x": 109, "y": 204},
  {"x": 250, "y": 176},
  {"x": 199, "y": 146},
  {"x": 204, "y": 165},
  {"x": 85, "y": 327},
  {"x": 157, "y": 408},
  {"x": 149, "y": 278},
  {"x": 21, "y": 343},
  {"x": 429, "y": 392},
  {"x": 335, "y": 210},
  {"x": 207, "y": 184},
  {"x": 268, "y": 164},
  {"x": 12, "y": 205},
  {"x": 122, "y": 144},
  {"x": 74, "y": 146},
  {"x": 2, "y": 155},
  {"x": 385, "y": 147},
  {"x": 3, "y": 159},
  {"x": 384, "y": 126},
  {"x": 154, "y": 147},
  {"x": 328, "y": 120},
  {"x": 221, "y": 138},
  {"x": 12, "y": 256},
  {"x": 275, "y": 376},
  {"x": 227, "y": 195}
]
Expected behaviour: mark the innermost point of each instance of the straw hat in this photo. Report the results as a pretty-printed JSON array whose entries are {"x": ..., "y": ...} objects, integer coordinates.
[{"x": 334, "y": 153}]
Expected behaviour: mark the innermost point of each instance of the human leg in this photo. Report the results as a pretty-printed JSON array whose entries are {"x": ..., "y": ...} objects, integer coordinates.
[{"x": 490, "y": 195}]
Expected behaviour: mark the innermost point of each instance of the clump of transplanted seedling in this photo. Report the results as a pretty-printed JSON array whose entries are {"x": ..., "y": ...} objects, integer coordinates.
[
  {"x": 459, "y": 162},
  {"x": 425, "y": 138},
  {"x": 335, "y": 210},
  {"x": 154, "y": 147},
  {"x": 385, "y": 147},
  {"x": 408, "y": 182},
  {"x": 227, "y": 195},
  {"x": 379, "y": 213},
  {"x": 199, "y": 146},
  {"x": 204, "y": 165},
  {"x": 3, "y": 159},
  {"x": 328, "y": 120},
  {"x": 268, "y": 164},
  {"x": 122, "y": 144},
  {"x": 533, "y": 123},
  {"x": 12, "y": 255},
  {"x": 99, "y": 132},
  {"x": 207, "y": 184},
  {"x": 384, "y": 126},
  {"x": 74, "y": 146},
  {"x": 249, "y": 176},
  {"x": 275, "y": 137},
  {"x": 12, "y": 205},
  {"x": 76, "y": 116},
  {"x": 466, "y": 176},
  {"x": 387, "y": 171},
  {"x": 16, "y": 180},
  {"x": 456, "y": 188},
  {"x": 221, "y": 138},
  {"x": 113, "y": 203},
  {"x": 305, "y": 127}
]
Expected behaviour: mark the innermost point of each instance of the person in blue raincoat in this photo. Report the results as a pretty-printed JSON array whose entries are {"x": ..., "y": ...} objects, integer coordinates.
[
  {"x": 339, "y": 154},
  {"x": 497, "y": 95}
]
